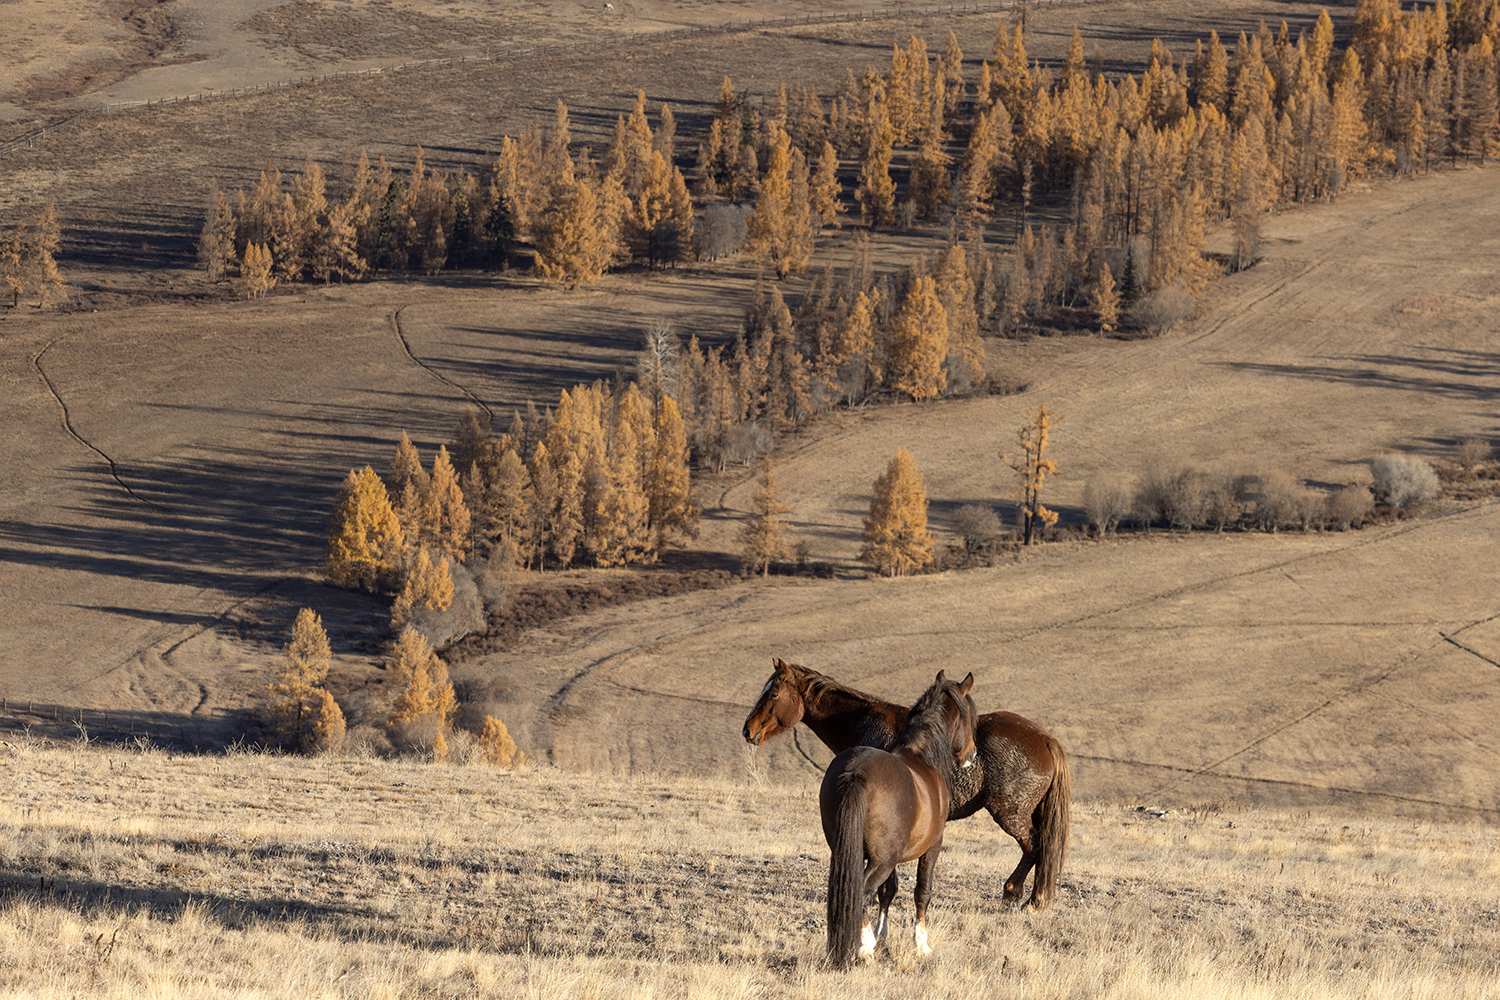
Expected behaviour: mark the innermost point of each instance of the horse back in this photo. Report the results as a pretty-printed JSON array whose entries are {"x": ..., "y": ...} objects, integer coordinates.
[{"x": 905, "y": 805}]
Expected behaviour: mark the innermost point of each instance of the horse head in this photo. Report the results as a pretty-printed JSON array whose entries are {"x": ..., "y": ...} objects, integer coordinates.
[
  {"x": 958, "y": 714},
  {"x": 779, "y": 707}
]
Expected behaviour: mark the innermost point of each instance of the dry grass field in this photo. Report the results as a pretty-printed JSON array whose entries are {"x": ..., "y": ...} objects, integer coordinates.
[
  {"x": 171, "y": 455},
  {"x": 132, "y": 871}
]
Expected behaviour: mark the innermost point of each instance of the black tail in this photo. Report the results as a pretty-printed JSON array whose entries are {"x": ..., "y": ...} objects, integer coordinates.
[{"x": 846, "y": 875}]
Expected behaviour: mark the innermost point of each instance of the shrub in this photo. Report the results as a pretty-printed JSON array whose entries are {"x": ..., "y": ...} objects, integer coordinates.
[
  {"x": 720, "y": 230},
  {"x": 1348, "y": 507},
  {"x": 1106, "y": 500},
  {"x": 1403, "y": 480},
  {"x": 1277, "y": 501},
  {"x": 1474, "y": 452},
  {"x": 1174, "y": 494},
  {"x": 977, "y": 525},
  {"x": 1163, "y": 309},
  {"x": 1221, "y": 502}
]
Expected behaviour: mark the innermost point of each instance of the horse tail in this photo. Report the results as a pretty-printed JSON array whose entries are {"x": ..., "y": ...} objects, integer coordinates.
[
  {"x": 846, "y": 874},
  {"x": 1052, "y": 828}
]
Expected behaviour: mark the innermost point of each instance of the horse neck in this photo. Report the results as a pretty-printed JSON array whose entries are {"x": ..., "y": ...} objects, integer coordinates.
[
  {"x": 842, "y": 717},
  {"x": 927, "y": 740}
]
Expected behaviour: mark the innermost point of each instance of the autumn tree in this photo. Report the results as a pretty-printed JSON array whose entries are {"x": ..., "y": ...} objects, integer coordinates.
[
  {"x": 302, "y": 713},
  {"x": 256, "y": 278},
  {"x": 824, "y": 188},
  {"x": 364, "y": 538},
  {"x": 877, "y": 192},
  {"x": 497, "y": 748},
  {"x": 424, "y": 701},
  {"x": 895, "y": 533},
  {"x": 1105, "y": 300},
  {"x": 668, "y": 485},
  {"x": 445, "y": 517},
  {"x": 919, "y": 343},
  {"x": 40, "y": 259},
  {"x": 764, "y": 533},
  {"x": 1032, "y": 467},
  {"x": 781, "y": 228},
  {"x": 13, "y": 259},
  {"x": 427, "y": 585},
  {"x": 574, "y": 244},
  {"x": 216, "y": 241}
]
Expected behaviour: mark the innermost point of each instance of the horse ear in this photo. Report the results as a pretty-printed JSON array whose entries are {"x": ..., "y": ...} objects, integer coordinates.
[
  {"x": 778, "y": 663},
  {"x": 940, "y": 677},
  {"x": 967, "y": 685}
]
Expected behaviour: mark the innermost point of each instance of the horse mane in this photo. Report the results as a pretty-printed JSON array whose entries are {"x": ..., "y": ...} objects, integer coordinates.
[
  {"x": 926, "y": 733},
  {"x": 817, "y": 689}
]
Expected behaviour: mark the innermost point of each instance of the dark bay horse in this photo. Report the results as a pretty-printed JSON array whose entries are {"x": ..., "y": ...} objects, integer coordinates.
[
  {"x": 884, "y": 807},
  {"x": 1020, "y": 775}
]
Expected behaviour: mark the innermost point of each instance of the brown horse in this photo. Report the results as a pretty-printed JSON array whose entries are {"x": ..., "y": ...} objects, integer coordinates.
[
  {"x": 881, "y": 808},
  {"x": 1021, "y": 774}
]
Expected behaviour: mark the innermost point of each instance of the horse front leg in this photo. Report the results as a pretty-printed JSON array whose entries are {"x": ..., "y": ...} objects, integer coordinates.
[{"x": 926, "y": 868}]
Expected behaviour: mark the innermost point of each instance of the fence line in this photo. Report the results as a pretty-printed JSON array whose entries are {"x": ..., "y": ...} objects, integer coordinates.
[{"x": 497, "y": 55}]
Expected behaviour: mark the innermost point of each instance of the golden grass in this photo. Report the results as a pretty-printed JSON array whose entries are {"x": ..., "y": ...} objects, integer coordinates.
[{"x": 127, "y": 874}]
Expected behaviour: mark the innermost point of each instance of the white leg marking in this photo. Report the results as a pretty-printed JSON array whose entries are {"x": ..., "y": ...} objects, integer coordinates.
[
  {"x": 880, "y": 928},
  {"x": 866, "y": 944},
  {"x": 923, "y": 948}
]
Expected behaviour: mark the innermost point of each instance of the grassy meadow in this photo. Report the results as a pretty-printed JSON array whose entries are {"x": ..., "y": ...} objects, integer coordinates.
[{"x": 132, "y": 871}]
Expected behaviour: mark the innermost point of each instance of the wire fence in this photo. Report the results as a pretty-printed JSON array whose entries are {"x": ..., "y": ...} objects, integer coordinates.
[{"x": 496, "y": 55}]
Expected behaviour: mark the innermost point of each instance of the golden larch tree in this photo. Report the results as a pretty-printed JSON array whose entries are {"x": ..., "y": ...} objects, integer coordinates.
[
  {"x": 895, "y": 533},
  {"x": 301, "y": 711},
  {"x": 919, "y": 342},
  {"x": 669, "y": 487},
  {"x": 424, "y": 700},
  {"x": 427, "y": 585},
  {"x": 364, "y": 538},
  {"x": 496, "y": 747},
  {"x": 1032, "y": 467},
  {"x": 764, "y": 534}
]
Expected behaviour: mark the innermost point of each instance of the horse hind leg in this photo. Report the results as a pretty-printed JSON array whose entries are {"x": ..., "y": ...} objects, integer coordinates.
[
  {"x": 1016, "y": 883},
  {"x": 884, "y": 895},
  {"x": 872, "y": 937}
]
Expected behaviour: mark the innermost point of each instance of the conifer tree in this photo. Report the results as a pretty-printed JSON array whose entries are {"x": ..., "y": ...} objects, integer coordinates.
[
  {"x": 471, "y": 435},
  {"x": 445, "y": 516},
  {"x": 781, "y": 227},
  {"x": 764, "y": 533},
  {"x": 876, "y": 193},
  {"x": 573, "y": 245},
  {"x": 895, "y": 533},
  {"x": 302, "y": 713},
  {"x": 256, "y": 278},
  {"x": 1032, "y": 467},
  {"x": 427, "y": 585},
  {"x": 496, "y": 747},
  {"x": 46, "y": 234},
  {"x": 216, "y": 241},
  {"x": 509, "y": 509},
  {"x": 1105, "y": 300},
  {"x": 919, "y": 342},
  {"x": 424, "y": 701},
  {"x": 668, "y": 485},
  {"x": 364, "y": 539},
  {"x": 824, "y": 188},
  {"x": 956, "y": 292}
]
